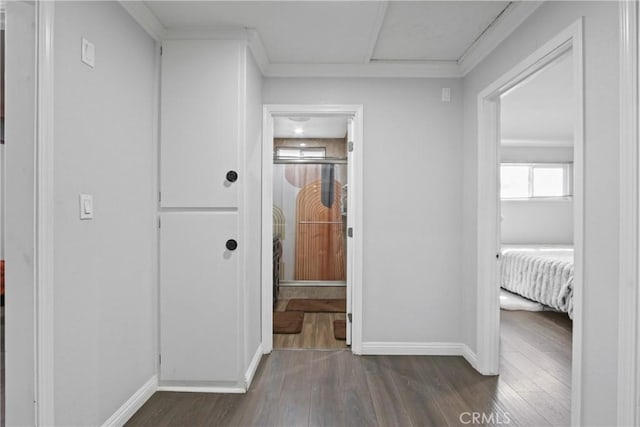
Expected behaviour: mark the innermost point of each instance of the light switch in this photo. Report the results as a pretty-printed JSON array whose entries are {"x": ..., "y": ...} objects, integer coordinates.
[
  {"x": 446, "y": 94},
  {"x": 86, "y": 206},
  {"x": 88, "y": 53}
]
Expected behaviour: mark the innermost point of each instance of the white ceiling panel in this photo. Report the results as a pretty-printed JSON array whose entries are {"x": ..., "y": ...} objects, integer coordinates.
[
  {"x": 298, "y": 32},
  {"x": 541, "y": 108},
  {"x": 433, "y": 30},
  {"x": 314, "y": 127}
]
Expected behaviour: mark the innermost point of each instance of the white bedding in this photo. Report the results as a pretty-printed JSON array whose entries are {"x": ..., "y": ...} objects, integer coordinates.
[{"x": 542, "y": 273}]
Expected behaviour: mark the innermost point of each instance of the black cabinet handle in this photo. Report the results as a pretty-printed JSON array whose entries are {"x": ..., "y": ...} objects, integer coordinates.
[
  {"x": 232, "y": 176},
  {"x": 231, "y": 245}
]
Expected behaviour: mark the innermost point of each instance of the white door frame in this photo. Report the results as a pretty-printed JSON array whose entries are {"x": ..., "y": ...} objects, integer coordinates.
[
  {"x": 44, "y": 226},
  {"x": 42, "y": 192},
  {"x": 488, "y": 309},
  {"x": 628, "y": 327},
  {"x": 355, "y": 193}
]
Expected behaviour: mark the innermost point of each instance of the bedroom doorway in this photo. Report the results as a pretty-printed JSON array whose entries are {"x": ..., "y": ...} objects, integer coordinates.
[
  {"x": 530, "y": 214},
  {"x": 311, "y": 259},
  {"x": 535, "y": 276}
]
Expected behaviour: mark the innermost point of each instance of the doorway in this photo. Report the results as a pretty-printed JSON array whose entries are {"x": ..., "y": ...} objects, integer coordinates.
[
  {"x": 310, "y": 233},
  {"x": 536, "y": 268},
  {"x": 569, "y": 42},
  {"x": 311, "y": 242}
]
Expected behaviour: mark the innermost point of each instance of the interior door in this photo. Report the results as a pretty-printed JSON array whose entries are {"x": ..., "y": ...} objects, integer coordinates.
[
  {"x": 350, "y": 226},
  {"x": 199, "y": 297}
]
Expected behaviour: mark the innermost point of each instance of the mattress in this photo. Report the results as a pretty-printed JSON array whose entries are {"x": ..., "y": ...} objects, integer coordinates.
[{"x": 542, "y": 273}]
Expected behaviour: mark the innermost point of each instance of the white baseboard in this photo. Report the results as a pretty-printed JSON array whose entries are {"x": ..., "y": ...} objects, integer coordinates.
[
  {"x": 470, "y": 357},
  {"x": 135, "y": 402},
  {"x": 202, "y": 389},
  {"x": 420, "y": 349},
  {"x": 253, "y": 367}
]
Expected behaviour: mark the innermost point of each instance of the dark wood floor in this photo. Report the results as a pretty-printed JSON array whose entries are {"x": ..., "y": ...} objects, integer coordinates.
[{"x": 336, "y": 388}]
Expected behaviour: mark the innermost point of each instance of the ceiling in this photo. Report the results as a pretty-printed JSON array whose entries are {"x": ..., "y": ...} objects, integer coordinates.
[
  {"x": 540, "y": 109},
  {"x": 364, "y": 38},
  {"x": 314, "y": 127},
  {"x": 433, "y": 30}
]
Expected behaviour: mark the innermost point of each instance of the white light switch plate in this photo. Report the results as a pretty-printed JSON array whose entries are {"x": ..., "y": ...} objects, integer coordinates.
[
  {"x": 88, "y": 53},
  {"x": 446, "y": 94},
  {"x": 86, "y": 206}
]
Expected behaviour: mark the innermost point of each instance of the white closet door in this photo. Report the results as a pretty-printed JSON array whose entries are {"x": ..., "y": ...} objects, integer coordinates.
[
  {"x": 199, "y": 123},
  {"x": 198, "y": 297}
]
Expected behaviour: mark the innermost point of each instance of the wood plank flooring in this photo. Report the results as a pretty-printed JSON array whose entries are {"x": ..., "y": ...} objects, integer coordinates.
[
  {"x": 317, "y": 328},
  {"x": 336, "y": 388}
]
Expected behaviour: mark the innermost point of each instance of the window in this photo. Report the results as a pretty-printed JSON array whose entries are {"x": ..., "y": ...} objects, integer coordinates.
[
  {"x": 535, "y": 180},
  {"x": 300, "y": 153}
]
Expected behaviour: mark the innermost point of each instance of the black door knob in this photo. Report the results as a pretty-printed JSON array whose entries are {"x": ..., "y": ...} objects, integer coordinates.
[
  {"x": 232, "y": 176},
  {"x": 231, "y": 245}
]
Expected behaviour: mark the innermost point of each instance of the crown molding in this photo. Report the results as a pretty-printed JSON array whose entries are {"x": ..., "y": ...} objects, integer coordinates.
[
  {"x": 511, "y": 18},
  {"x": 207, "y": 33},
  {"x": 375, "y": 30},
  {"x": 258, "y": 50},
  {"x": 434, "y": 69},
  {"x": 145, "y": 18}
]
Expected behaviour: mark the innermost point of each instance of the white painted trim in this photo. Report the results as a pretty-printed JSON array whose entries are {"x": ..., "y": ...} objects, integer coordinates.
[
  {"x": 258, "y": 50},
  {"x": 44, "y": 255},
  {"x": 381, "y": 14},
  {"x": 382, "y": 69},
  {"x": 545, "y": 143},
  {"x": 243, "y": 217},
  {"x": 253, "y": 367},
  {"x": 355, "y": 191},
  {"x": 155, "y": 186},
  {"x": 629, "y": 237},
  {"x": 202, "y": 389},
  {"x": 488, "y": 133},
  {"x": 393, "y": 348},
  {"x": 207, "y": 33},
  {"x": 578, "y": 222},
  {"x": 131, "y": 406},
  {"x": 145, "y": 18},
  {"x": 267, "y": 232},
  {"x": 511, "y": 19},
  {"x": 470, "y": 357}
]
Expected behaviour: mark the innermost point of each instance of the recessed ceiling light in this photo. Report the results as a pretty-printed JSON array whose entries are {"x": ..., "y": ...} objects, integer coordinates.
[
  {"x": 302, "y": 144},
  {"x": 298, "y": 131},
  {"x": 299, "y": 119}
]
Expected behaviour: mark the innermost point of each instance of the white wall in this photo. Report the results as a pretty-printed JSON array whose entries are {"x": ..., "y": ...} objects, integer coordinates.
[
  {"x": 601, "y": 185},
  {"x": 20, "y": 148},
  {"x": 537, "y": 221},
  {"x": 104, "y": 334},
  {"x": 253, "y": 205},
  {"x": 412, "y": 205}
]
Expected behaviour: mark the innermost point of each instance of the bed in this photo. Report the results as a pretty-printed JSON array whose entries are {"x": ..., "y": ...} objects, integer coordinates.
[{"x": 542, "y": 273}]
